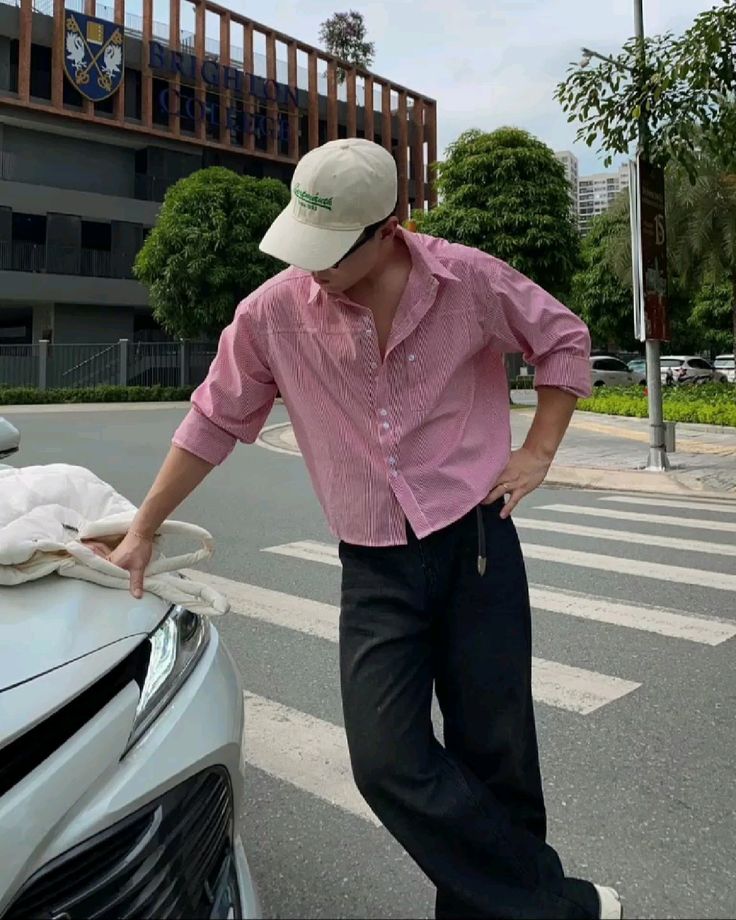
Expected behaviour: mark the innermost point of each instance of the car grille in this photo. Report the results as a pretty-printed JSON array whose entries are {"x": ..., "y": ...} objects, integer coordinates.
[
  {"x": 24, "y": 754},
  {"x": 167, "y": 860}
]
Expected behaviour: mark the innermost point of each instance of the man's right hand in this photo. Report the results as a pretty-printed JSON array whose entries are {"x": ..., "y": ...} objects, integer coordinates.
[{"x": 133, "y": 555}]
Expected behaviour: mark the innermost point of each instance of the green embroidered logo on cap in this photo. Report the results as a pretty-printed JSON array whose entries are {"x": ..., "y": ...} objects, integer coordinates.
[{"x": 312, "y": 201}]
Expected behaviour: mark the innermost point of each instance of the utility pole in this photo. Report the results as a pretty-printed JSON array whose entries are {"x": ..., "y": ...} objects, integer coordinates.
[{"x": 658, "y": 460}]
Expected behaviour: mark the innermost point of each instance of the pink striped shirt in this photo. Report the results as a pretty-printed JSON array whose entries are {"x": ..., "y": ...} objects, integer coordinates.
[{"x": 422, "y": 435}]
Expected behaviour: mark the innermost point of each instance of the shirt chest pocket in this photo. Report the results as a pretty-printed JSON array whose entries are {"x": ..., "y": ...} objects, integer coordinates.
[{"x": 437, "y": 366}]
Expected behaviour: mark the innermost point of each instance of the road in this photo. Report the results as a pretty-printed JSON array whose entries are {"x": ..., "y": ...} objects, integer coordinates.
[{"x": 635, "y": 685}]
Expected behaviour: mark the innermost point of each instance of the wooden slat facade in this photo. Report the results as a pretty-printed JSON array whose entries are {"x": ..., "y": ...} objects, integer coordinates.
[
  {"x": 340, "y": 109},
  {"x": 175, "y": 46},
  {"x": 119, "y": 100}
]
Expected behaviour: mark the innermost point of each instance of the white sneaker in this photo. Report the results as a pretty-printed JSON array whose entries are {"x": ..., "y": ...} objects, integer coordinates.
[{"x": 611, "y": 907}]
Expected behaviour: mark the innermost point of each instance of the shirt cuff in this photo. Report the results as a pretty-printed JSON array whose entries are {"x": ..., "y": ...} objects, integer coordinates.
[
  {"x": 201, "y": 437},
  {"x": 565, "y": 371}
]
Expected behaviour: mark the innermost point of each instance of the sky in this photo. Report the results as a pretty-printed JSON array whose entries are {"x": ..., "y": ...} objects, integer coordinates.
[{"x": 488, "y": 63}]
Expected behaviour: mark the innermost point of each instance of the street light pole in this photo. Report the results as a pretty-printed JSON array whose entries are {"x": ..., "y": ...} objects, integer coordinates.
[{"x": 658, "y": 461}]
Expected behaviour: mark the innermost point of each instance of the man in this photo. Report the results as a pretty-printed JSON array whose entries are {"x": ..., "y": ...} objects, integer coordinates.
[{"x": 387, "y": 348}]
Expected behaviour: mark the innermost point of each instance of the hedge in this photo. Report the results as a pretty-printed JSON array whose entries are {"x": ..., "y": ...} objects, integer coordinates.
[
  {"x": 709, "y": 404},
  {"x": 27, "y": 396}
]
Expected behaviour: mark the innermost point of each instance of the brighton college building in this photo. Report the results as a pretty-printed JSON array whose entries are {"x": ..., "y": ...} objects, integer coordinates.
[{"x": 103, "y": 108}]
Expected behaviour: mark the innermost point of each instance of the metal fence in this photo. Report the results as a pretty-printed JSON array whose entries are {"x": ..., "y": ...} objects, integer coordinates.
[
  {"x": 122, "y": 363},
  {"x": 85, "y": 365},
  {"x": 19, "y": 365},
  {"x": 21, "y": 256}
]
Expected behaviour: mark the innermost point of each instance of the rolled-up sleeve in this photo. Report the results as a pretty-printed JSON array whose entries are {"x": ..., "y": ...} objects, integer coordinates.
[
  {"x": 233, "y": 402},
  {"x": 520, "y": 316}
]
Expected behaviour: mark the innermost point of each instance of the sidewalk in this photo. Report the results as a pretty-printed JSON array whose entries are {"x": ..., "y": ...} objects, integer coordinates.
[
  {"x": 610, "y": 452},
  {"x": 598, "y": 452}
]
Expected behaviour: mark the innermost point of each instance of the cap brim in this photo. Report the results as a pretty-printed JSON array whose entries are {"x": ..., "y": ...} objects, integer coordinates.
[{"x": 311, "y": 248}]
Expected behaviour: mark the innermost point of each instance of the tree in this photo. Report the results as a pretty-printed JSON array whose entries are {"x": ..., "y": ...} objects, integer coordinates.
[
  {"x": 701, "y": 224},
  {"x": 598, "y": 293},
  {"x": 681, "y": 87},
  {"x": 202, "y": 256},
  {"x": 712, "y": 316},
  {"x": 701, "y": 229},
  {"x": 506, "y": 193},
  {"x": 344, "y": 35}
]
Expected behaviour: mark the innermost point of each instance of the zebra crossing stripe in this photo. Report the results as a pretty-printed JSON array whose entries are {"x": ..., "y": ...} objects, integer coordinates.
[
  {"x": 636, "y": 567},
  {"x": 317, "y": 619},
  {"x": 575, "y": 689},
  {"x": 308, "y": 550},
  {"x": 626, "y": 536},
  {"x": 670, "y": 623},
  {"x": 638, "y": 517},
  {"x": 315, "y": 551},
  {"x": 303, "y": 750},
  {"x": 554, "y": 684},
  {"x": 715, "y": 505}
]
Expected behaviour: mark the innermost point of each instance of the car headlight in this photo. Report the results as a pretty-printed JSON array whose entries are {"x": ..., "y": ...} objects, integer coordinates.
[{"x": 176, "y": 647}]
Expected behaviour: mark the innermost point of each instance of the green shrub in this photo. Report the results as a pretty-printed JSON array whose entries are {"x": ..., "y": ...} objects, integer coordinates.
[
  {"x": 27, "y": 396},
  {"x": 711, "y": 404}
]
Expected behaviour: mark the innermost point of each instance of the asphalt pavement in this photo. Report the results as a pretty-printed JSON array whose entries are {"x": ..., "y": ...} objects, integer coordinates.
[{"x": 635, "y": 685}]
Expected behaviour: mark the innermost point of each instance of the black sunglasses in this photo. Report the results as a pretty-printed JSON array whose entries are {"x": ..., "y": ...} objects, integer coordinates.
[{"x": 362, "y": 239}]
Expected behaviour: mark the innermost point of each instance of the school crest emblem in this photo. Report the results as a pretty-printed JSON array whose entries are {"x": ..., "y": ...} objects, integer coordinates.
[{"x": 94, "y": 55}]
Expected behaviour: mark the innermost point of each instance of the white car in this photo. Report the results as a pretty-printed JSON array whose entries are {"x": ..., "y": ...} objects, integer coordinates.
[
  {"x": 121, "y": 726},
  {"x": 724, "y": 364},
  {"x": 686, "y": 369},
  {"x": 611, "y": 372}
]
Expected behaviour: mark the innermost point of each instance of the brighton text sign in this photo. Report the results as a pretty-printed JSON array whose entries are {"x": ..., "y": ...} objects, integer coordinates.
[{"x": 217, "y": 79}]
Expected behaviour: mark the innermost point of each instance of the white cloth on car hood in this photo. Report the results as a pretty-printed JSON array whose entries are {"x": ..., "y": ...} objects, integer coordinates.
[{"x": 45, "y": 513}]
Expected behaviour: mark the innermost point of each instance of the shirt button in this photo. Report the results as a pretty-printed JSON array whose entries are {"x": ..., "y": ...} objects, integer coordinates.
[
  {"x": 386, "y": 425},
  {"x": 384, "y": 412},
  {"x": 392, "y": 461},
  {"x": 373, "y": 365},
  {"x": 412, "y": 357},
  {"x": 394, "y": 473}
]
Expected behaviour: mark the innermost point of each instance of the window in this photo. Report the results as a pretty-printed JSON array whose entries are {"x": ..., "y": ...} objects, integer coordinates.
[
  {"x": 40, "y": 72},
  {"x": 29, "y": 228},
  {"x": 96, "y": 235},
  {"x": 609, "y": 364},
  {"x": 700, "y": 364}
]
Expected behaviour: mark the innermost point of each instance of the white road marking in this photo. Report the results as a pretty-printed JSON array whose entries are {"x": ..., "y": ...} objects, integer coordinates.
[
  {"x": 300, "y": 749},
  {"x": 639, "y": 516},
  {"x": 308, "y": 550},
  {"x": 576, "y": 689},
  {"x": 659, "y": 620},
  {"x": 321, "y": 620},
  {"x": 685, "y": 504},
  {"x": 315, "y": 551},
  {"x": 625, "y": 536},
  {"x": 288, "y": 610},
  {"x": 636, "y": 567},
  {"x": 554, "y": 684}
]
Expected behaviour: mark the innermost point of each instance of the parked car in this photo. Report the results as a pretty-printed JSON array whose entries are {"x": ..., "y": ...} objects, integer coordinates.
[
  {"x": 688, "y": 369},
  {"x": 638, "y": 366},
  {"x": 612, "y": 372},
  {"x": 121, "y": 726},
  {"x": 724, "y": 364}
]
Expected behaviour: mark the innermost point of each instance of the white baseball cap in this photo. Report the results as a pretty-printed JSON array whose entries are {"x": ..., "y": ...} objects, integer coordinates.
[{"x": 337, "y": 191}]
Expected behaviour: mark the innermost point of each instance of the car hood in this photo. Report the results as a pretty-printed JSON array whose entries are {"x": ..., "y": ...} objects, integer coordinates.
[{"x": 47, "y": 623}]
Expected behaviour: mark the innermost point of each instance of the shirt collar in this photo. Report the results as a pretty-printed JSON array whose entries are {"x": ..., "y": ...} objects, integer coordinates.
[{"x": 422, "y": 259}]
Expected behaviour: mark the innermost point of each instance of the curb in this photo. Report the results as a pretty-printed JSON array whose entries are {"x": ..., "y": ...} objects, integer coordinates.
[
  {"x": 604, "y": 480},
  {"x": 39, "y": 408},
  {"x": 578, "y": 477}
]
